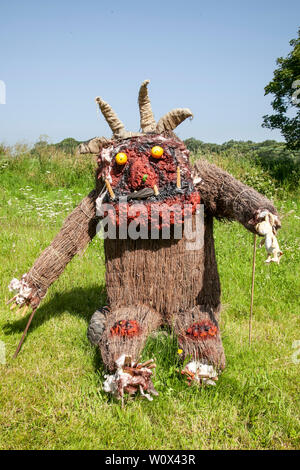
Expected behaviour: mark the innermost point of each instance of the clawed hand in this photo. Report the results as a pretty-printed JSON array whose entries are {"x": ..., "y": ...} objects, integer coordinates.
[{"x": 22, "y": 307}]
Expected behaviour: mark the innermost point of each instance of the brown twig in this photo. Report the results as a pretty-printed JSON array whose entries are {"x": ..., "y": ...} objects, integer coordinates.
[
  {"x": 178, "y": 182},
  {"x": 109, "y": 189},
  {"x": 188, "y": 373},
  {"x": 11, "y": 300},
  {"x": 25, "y": 310},
  {"x": 145, "y": 364},
  {"x": 152, "y": 366},
  {"x": 24, "y": 334}
]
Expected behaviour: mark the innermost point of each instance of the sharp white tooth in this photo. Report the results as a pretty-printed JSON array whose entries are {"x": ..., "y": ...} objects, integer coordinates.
[{"x": 197, "y": 179}]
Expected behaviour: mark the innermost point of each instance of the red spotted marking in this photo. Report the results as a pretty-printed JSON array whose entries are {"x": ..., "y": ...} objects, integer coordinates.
[
  {"x": 125, "y": 328},
  {"x": 203, "y": 330}
]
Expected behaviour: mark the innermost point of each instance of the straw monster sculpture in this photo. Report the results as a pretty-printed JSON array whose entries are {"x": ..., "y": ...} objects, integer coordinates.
[{"x": 151, "y": 281}]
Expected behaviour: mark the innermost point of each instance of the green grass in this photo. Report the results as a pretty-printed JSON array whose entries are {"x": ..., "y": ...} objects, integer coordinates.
[{"x": 51, "y": 397}]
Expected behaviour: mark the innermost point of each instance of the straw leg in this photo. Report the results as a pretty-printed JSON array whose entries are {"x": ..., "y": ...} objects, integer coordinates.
[
  {"x": 126, "y": 331},
  {"x": 199, "y": 336}
]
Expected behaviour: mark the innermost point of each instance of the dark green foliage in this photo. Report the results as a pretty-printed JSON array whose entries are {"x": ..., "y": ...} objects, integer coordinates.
[
  {"x": 68, "y": 145},
  {"x": 285, "y": 103},
  {"x": 281, "y": 163},
  {"x": 195, "y": 146}
]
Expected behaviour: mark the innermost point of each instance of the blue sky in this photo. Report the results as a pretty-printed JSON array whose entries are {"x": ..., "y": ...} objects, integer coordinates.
[{"x": 214, "y": 57}]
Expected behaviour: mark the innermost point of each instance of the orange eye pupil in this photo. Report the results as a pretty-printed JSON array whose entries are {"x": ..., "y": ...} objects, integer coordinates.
[
  {"x": 157, "y": 151},
  {"x": 121, "y": 158}
]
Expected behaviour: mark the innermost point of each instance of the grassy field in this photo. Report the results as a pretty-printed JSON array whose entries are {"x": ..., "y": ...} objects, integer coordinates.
[{"x": 51, "y": 397}]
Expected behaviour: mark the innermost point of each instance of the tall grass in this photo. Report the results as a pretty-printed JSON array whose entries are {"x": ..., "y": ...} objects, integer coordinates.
[{"x": 51, "y": 397}]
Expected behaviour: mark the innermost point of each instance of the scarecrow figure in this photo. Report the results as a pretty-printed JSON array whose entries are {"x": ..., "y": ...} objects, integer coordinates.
[{"x": 151, "y": 280}]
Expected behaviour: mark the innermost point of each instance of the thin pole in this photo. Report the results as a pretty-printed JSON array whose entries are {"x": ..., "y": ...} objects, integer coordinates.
[
  {"x": 24, "y": 334},
  {"x": 252, "y": 290}
]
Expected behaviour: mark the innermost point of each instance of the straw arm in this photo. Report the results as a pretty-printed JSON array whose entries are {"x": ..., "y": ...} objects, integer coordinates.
[{"x": 227, "y": 198}]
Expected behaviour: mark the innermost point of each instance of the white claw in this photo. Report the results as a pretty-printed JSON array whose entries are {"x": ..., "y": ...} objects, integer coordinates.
[{"x": 203, "y": 372}]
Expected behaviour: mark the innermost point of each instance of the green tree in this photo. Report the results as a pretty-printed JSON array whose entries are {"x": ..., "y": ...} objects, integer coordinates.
[
  {"x": 68, "y": 145},
  {"x": 285, "y": 87}
]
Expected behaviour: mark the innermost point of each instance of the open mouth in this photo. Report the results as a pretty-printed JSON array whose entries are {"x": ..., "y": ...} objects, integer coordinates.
[
  {"x": 149, "y": 194},
  {"x": 170, "y": 206},
  {"x": 141, "y": 194}
]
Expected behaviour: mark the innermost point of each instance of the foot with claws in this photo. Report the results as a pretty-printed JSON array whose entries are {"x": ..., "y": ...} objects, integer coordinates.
[
  {"x": 131, "y": 377},
  {"x": 203, "y": 374}
]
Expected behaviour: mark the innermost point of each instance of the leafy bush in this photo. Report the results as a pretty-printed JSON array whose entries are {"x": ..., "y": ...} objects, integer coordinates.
[
  {"x": 269, "y": 159},
  {"x": 282, "y": 164},
  {"x": 68, "y": 145},
  {"x": 261, "y": 181}
]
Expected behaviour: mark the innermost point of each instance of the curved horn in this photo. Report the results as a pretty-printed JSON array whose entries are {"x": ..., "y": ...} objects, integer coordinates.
[
  {"x": 148, "y": 123},
  {"x": 112, "y": 119},
  {"x": 172, "y": 119}
]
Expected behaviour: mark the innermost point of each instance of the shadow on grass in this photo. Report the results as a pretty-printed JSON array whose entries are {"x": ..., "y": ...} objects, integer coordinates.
[{"x": 80, "y": 302}]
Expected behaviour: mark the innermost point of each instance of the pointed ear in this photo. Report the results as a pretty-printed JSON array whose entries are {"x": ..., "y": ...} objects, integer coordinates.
[{"x": 93, "y": 145}]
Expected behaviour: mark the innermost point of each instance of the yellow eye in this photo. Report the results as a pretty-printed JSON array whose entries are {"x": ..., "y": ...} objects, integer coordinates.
[
  {"x": 157, "y": 151},
  {"x": 121, "y": 158}
]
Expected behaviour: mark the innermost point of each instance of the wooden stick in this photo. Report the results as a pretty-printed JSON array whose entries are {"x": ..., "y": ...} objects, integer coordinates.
[
  {"x": 109, "y": 189},
  {"x": 25, "y": 310},
  {"x": 145, "y": 364},
  {"x": 152, "y": 366},
  {"x": 11, "y": 300},
  {"x": 24, "y": 334},
  {"x": 155, "y": 189},
  {"x": 187, "y": 372},
  {"x": 252, "y": 290},
  {"x": 178, "y": 183}
]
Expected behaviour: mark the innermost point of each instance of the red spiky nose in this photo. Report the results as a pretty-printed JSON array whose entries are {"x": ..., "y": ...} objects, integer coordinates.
[{"x": 142, "y": 175}]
